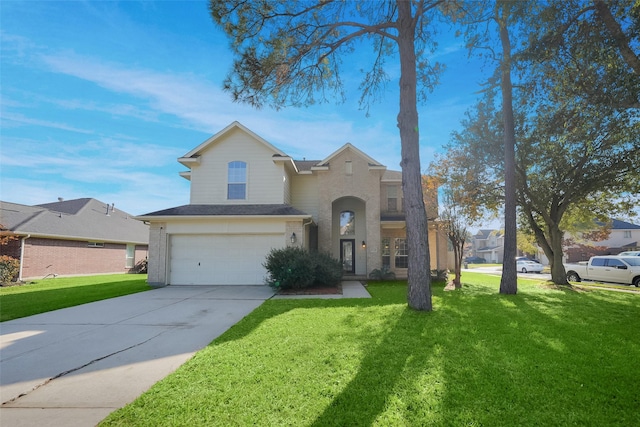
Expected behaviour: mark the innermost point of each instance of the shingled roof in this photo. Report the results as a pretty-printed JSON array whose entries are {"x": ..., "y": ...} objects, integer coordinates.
[
  {"x": 78, "y": 219},
  {"x": 228, "y": 210}
]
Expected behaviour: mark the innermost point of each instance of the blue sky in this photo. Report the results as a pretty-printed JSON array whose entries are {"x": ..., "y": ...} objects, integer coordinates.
[{"x": 99, "y": 99}]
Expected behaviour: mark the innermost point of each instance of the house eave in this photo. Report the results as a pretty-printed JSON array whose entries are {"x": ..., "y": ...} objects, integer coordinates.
[
  {"x": 168, "y": 218},
  {"x": 74, "y": 238},
  {"x": 188, "y": 161}
]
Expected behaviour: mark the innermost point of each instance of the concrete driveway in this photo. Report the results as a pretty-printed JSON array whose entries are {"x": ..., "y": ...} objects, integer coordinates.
[{"x": 72, "y": 367}]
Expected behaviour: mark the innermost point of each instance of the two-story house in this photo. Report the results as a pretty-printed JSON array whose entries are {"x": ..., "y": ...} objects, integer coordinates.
[
  {"x": 248, "y": 197},
  {"x": 620, "y": 236},
  {"x": 489, "y": 244}
]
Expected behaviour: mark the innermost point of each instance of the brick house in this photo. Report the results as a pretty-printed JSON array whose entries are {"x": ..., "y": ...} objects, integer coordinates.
[
  {"x": 72, "y": 237},
  {"x": 620, "y": 236},
  {"x": 247, "y": 197}
]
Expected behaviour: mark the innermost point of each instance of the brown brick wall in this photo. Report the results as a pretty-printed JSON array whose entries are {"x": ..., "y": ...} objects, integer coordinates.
[{"x": 64, "y": 257}]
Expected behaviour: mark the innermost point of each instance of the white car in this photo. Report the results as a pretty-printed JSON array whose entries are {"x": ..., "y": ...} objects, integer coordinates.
[
  {"x": 528, "y": 266},
  {"x": 629, "y": 253}
]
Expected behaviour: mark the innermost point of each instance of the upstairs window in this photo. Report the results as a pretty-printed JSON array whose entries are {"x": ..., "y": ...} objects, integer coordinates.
[
  {"x": 392, "y": 198},
  {"x": 347, "y": 223},
  {"x": 237, "y": 181}
]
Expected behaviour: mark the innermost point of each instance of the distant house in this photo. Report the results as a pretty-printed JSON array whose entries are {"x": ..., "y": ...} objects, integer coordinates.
[
  {"x": 489, "y": 244},
  {"x": 72, "y": 237},
  {"x": 247, "y": 197},
  {"x": 622, "y": 236}
]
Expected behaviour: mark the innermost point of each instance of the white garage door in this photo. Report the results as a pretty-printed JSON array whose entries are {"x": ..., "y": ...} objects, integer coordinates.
[{"x": 220, "y": 259}]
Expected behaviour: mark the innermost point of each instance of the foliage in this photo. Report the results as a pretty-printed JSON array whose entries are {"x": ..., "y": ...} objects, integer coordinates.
[
  {"x": 454, "y": 224},
  {"x": 576, "y": 126},
  {"x": 52, "y": 294},
  {"x": 527, "y": 242},
  {"x": 141, "y": 267},
  {"x": 479, "y": 359},
  {"x": 383, "y": 273},
  {"x": 297, "y": 268},
  {"x": 9, "y": 269},
  {"x": 328, "y": 270},
  {"x": 439, "y": 275}
]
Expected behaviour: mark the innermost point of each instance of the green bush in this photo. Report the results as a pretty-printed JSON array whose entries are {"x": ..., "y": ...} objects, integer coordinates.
[
  {"x": 383, "y": 273},
  {"x": 9, "y": 269},
  {"x": 296, "y": 268},
  {"x": 328, "y": 270},
  {"x": 439, "y": 275}
]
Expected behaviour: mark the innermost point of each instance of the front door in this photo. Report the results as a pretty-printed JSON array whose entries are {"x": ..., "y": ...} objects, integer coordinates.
[{"x": 347, "y": 255}]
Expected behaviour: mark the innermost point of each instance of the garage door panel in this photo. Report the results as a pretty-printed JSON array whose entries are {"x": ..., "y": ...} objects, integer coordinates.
[{"x": 220, "y": 259}]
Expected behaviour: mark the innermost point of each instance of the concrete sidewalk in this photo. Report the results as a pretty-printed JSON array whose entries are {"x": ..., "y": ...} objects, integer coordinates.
[
  {"x": 350, "y": 289},
  {"x": 72, "y": 367}
]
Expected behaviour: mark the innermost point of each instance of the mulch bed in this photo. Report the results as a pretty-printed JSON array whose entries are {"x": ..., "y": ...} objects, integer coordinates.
[{"x": 313, "y": 290}]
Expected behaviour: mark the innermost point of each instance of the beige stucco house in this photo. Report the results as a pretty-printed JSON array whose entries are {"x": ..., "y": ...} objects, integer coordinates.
[{"x": 248, "y": 197}]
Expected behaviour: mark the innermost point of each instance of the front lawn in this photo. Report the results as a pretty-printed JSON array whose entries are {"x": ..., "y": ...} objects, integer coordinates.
[
  {"x": 542, "y": 357},
  {"x": 51, "y": 294}
]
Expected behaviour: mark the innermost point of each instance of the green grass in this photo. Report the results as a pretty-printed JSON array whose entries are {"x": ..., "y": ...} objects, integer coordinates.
[
  {"x": 542, "y": 357},
  {"x": 51, "y": 294}
]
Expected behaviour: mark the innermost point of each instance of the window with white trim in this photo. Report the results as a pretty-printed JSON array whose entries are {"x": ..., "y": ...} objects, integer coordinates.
[
  {"x": 130, "y": 256},
  {"x": 401, "y": 254},
  {"x": 386, "y": 252},
  {"x": 392, "y": 198},
  {"x": 237, "y": 181}
]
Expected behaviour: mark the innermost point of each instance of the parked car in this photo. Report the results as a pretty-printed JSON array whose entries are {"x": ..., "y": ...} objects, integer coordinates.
[
  {"x": 629, "y": 253},
  {"x": 475, "y": 260},
  {"x": 609, "y": 268},
  {"x": 524, "y": 258},
  {"x": 528, "y": 266}
]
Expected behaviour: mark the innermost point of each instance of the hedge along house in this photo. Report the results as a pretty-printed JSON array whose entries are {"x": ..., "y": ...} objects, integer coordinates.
[
  {"x": 72, "y": 238},
  {"x": 248, "y": 197}
]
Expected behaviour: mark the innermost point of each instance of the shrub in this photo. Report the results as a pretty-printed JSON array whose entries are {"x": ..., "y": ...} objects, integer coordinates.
[
  {"x": 9, "y": 269},
  {"x": 140, "y": 267},
  {"x": 439, "y": 275},
  {"x": 296, "y": 268},
  {"x": 382, "y": 274},
  {"x": 328, "y": 270}
]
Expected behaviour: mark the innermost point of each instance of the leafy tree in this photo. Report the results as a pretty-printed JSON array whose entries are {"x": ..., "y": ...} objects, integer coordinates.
[
  {"x": 575, "y": 119},
  {"x": 291, "y": 52},
  {"x": 455, "y": 225}
]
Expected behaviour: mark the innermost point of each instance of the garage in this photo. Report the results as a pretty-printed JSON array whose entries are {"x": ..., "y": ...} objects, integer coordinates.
[{"x": 220, "y": 259}]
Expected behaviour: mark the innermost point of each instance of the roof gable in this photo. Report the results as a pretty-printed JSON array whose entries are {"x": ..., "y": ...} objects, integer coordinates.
[
  {"x": 192, "y": 155},
  {"x": 348, "y": 146}
]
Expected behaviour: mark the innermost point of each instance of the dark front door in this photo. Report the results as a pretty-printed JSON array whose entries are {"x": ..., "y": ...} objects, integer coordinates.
[{"x": 348, "y": 255}]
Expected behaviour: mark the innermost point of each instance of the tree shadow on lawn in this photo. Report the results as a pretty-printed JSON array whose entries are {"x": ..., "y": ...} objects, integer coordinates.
[
  {"x": 556, "y": 358},
  {"x": 542, "y": 357}
]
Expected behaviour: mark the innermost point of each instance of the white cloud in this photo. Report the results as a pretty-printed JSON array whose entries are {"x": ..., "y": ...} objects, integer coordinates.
[
  {"x": 205, "y": 107},
  {"x": 16, "y": 119}
]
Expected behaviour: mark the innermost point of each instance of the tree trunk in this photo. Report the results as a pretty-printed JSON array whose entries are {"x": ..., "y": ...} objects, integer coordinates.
[
  {"x": 558, "y": 273},
  {"x": 458, "y": 249},
  {"x": 509, "y": 280},
  {"x": 419, "y": 274}
]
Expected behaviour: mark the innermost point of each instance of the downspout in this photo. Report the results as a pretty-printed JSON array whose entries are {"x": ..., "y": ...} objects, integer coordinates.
[
  {"x": 304, "y": 231},
  {"x": 22, "y": 255}
]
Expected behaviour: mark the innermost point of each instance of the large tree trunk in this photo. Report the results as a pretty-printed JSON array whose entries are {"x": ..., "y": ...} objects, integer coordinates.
[
  {"x": 509, "y": 280},
  {"x": 419, "y": 274},
  {"x": 558, "y": 273}
]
